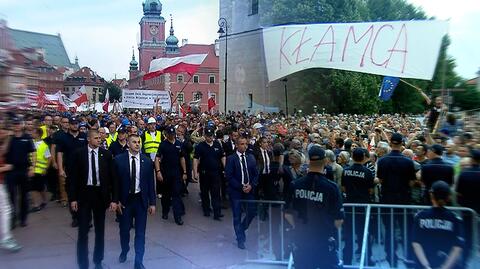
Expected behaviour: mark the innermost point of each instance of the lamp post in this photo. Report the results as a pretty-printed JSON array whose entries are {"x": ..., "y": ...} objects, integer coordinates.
[
  {"x": 285, "y": 80},
  {"x": 222, "y": 22}
]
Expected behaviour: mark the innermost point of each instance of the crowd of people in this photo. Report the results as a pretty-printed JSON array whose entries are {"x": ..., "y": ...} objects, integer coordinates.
[{"x": 124, "y": 162}]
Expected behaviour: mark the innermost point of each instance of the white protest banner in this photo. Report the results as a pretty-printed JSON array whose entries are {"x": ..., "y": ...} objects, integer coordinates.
[
  {"x": 407, "y": 49},
  {"x": 145, "y": 99}
]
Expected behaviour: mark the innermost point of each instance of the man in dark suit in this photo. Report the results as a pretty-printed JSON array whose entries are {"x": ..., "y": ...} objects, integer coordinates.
[
  {"x": 136, "y": 197},
  {"x": 435, "y": 169},
  {"x": 268, "y": 182},
  {"x": 229, "y": 145},
  {"x": 92, "y": 190},
  {"x": 242, "y": 175}
]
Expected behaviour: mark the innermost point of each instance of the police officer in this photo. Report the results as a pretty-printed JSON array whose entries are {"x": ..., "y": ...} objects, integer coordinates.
[
  {"x": 120, "y": 145},
  {"x": 209, "y": 160},
  {"x": 171, "y": 171},
  {"x": 67, "y": 144},
  {"x": 435, "y": 169},
  {"x": 357, "y": 184},
  {"x": 396, "y": 173},
  {"x": 437, "y": 236},
  {"x": 317, "y": 203},
  {"x": 467, "y": 196},
  {"x": 151, "y": 139},
  {"x": 20, "y": 156}
]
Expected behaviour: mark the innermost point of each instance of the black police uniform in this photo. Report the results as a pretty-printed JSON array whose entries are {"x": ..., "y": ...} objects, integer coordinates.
[
  {"x": 396, "y": 172},
  {"x": 435, "y": 169},
  {"x": 116, "y": 148},
  {"x": 467, "y": 189},
  {"x": 18, "y": 156},
  {"x": 318, "y": 204},
  {"x": 210, "y": 171},
  {"x": 437, "y": 230},
  {"x": 170, "y": 167},
  {"x": 357, "y": 181}
]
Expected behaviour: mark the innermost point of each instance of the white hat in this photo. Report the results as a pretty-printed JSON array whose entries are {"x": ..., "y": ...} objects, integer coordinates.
[
  {"x": 151, "y": 120},
  {"x": 257, "y": 125},
  {"x": 106, "y": 130}
]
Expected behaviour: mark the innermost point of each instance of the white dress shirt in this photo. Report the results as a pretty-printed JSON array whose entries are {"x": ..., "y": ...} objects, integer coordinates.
[
  {"x": 244, "y": 181},
  {"x": 266, "y": 163},
  {"x": 90, "y": 179},
  {"x": 137, "y": 170}
]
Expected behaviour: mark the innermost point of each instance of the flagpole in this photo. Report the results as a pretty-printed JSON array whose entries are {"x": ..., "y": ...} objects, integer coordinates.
[
  {"x": 427, "y": 99},
  {"x": 181, "y": 91}
]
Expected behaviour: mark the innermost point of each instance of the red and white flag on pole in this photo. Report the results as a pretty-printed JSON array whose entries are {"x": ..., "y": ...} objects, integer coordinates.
[
  {"x": 106, "y": 102},
  {"x": 211, "y": 101},
  {"x": 188, "y": 64},
  {"x": 79, "y": 96}
]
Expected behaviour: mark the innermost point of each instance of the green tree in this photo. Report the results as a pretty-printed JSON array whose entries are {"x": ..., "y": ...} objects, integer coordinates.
[{"x": 114, "y": 91}]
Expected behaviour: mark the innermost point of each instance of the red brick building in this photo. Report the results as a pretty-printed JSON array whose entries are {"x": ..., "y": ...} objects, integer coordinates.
[{"x": 153, "y": 45}]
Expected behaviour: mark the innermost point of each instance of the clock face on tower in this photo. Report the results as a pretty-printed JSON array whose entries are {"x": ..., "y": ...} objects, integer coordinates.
[{"x": 153, "y": 29}]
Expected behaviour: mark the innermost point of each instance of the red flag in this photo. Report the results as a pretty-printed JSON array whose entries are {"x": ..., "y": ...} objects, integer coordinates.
[
  {"x": 41, "y": 99},
  {"x": 106, "y": 102},
  {"x": 188, "y": 64},
  {"x": 79, "y": 96}
]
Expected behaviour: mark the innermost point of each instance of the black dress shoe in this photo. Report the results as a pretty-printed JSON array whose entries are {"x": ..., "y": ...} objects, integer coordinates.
[
  {"x": 206, "y": 214},
  {"x": 74, "y": 223},
  {"x": 139, "y": 266},
  {"x": 165, "y": 217},
  {"x": 98, "y": 266},
  {"x": 241, "y": 245},
  {"x": 23, "y": 224},
  {"x": 122, "y": 258},
  {"x": 218, "y": 218},
  {"x": 179, "y": 222}
]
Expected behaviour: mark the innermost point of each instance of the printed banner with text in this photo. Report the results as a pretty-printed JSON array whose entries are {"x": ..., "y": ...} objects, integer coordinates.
[
  {"x": 145, "y": 99},
  {"x": 407, "y": 49}
]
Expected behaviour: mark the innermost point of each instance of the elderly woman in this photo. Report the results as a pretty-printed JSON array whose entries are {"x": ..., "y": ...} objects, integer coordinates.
[{"x": 294, "y": 170}]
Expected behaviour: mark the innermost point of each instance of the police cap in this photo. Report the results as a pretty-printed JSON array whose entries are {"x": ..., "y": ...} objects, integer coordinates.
[
  {"x": 209, "y": 132},
  {"x": 440, "y": 190},
  {"x": 316, "y": 153},
  {"x": 170, "y": 129},
  {"x": 396, "y": 139}
]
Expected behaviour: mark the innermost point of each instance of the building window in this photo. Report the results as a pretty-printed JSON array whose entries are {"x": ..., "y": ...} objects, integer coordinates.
[
  {"x": 179, "y": 78},
  {"x": 197, "y": 96},
  {"x": 250, "y": 100},
  {"x": 211, "y": 79},
  {"x": 196, "y": 79},
  {"x": 180, "y": 97},
  {"x": 253, "y": 7}
]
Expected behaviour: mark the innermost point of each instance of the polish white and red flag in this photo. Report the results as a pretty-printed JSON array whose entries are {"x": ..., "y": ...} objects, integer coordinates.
[
  {"x": 106, "y": 102},
  {"x": 188, "y": 64},
  {"x": 79, "y": 96}
]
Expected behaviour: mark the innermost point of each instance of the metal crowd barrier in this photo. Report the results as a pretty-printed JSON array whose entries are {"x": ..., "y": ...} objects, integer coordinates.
[
  {"x": 267, "y": 241},
  {"x": 266, "y": 234},
  {"x": 378, "y": 213}
]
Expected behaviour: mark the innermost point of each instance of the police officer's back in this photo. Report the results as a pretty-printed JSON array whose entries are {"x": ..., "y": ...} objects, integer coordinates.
[
  {"x": 396, "y": 173},
  {"x": 435, "y": 169},
  {"x": 319, "y": 212},
  {"x": 437, "y": 236}
]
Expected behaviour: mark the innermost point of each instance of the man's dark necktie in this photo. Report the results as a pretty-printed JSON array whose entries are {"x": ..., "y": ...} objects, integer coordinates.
[
  {"x": 245, "y": 171},
  {"x": 133, "y": 175},
  {"x": 94, "y": 169}
]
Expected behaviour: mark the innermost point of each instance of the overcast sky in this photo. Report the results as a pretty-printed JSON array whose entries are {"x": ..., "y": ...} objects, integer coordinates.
[{"x": 102, "y": 33}]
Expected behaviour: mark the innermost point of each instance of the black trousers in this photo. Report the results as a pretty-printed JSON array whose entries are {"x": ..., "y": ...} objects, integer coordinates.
[
  {"x": 92, "y": 204},
  {"x": 17, "y": 184},
  {"x": 52, "y": 182},
  {"x": 351, "y": 235},
  {"x": 210, "y": 187},
  {"x": 399, "y": 222},
  {"x": 67, "y": 188},
  {"x": 172, "y": 187}
]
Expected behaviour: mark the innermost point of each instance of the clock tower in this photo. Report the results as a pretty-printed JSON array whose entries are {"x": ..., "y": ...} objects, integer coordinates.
[{"x": 152, "y": 34}]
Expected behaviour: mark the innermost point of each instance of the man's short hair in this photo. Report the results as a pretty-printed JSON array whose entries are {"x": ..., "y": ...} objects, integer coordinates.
[
  {"x": 92, "y": 132},
  {"x": 133, "y": 135}
]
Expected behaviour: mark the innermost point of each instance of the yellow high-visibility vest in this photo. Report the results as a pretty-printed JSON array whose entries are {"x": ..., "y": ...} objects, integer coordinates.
[
  {"x": 110, "y": 140},
  {"x": 150, "y": 145},
  {"x": 42, "y": 163},
  {"x": 44, "y": 129}
]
